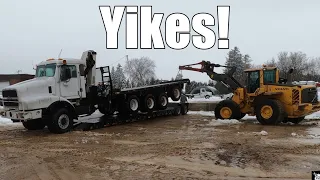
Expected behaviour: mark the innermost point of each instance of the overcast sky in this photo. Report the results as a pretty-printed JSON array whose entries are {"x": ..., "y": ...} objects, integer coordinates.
[{"x": 34, "y": 30}]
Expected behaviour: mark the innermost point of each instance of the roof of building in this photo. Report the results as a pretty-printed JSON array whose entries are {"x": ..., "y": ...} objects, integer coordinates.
[{"x": 7, "y": 77}]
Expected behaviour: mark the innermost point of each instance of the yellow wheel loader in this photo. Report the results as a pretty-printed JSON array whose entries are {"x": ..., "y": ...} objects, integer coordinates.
[{"x": 267, "y": 96}]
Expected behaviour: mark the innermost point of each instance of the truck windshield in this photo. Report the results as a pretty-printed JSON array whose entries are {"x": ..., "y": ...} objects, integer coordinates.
[{"x": 46, "y": 70}]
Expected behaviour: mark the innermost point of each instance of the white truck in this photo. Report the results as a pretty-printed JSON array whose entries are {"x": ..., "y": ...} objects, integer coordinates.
[
  {"x": 63, "y": 89},
  {"x": 201, "y": 93}
]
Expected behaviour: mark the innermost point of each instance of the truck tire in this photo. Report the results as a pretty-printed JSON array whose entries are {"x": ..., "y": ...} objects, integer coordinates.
[
  {"x": 60, "y": 122},
  {"x": 227, "y": 109},
  {"x": 207, "y": 97},
  {"x": 133, "y": 104},
  {"x": 149, "y": 103},
  {"x": 104, "y": 110},
  {"x": 184, "y": 109},
  {"x": 36, "y": 124},
  {"x": 175, "y": 93},
  {"x": 162, "y": 101},
  {"x": 177, "y": 111},
  {"x": 269, "y": 112}
]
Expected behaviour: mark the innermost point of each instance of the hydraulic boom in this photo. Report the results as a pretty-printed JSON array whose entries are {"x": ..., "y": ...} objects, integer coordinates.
[{"x": 225, "y": 82}]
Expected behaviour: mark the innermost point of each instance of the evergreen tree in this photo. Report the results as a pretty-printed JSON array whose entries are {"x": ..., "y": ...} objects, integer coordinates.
[
  {"x": 234, "y": 59},
  {"x": 247, "y": 61},
  {"x": 179, "y": 76}
]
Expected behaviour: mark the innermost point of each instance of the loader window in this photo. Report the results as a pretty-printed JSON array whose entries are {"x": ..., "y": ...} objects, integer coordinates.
[
  {"x": 269, "y": 76},
  {"x": 253, "y": 81}
]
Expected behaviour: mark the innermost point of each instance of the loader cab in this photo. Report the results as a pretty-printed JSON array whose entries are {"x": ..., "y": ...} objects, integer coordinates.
[{"x": 261, "y": 76}]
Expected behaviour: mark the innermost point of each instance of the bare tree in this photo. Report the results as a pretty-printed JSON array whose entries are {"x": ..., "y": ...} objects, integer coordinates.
[
  {"x": 271, "y": 63},
  {"x": 139, "y": 70}
]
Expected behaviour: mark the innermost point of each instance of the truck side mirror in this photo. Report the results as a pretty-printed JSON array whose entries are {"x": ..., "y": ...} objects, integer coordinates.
[{"x": 65, "y": 73}]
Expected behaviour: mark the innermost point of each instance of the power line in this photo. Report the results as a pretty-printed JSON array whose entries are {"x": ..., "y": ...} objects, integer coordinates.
[{"x": 117, "y": 61}]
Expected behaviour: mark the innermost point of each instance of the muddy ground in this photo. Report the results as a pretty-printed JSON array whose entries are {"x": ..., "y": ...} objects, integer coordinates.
[{"x": 179, "y": 147}]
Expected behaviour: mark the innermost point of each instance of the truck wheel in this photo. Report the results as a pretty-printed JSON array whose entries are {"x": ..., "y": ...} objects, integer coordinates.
[
  {"x": 207, "y": 96},
  {"x": 269, "y": 112},
  {"x": 36, "y": 124},
  {"x": 133, "y": 103},
  {"x": 177, "y": 111},
  {"x": 149, "y": 103},
  {"x": 184, "y": 109},
  {"x": 162, "y": 101},
  {"x": 175, "y": 93},
  {"x": 61, "y": 122},
  {"x": 104, "y": 110},
  {"x": 227, "y": 109}
]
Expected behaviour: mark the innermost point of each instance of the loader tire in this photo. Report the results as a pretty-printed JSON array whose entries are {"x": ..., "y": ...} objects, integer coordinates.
[
  {"x": 294, "y": 120},
  {"x": 241, "y": 116},
  {"x": 269, "y": 112},
  {"x": 36, "y": 124},
  {"x": 60, "y": 122},
  {"x": 227, "y": 109}
]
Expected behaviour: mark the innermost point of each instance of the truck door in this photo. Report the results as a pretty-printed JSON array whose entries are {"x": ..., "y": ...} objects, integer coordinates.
[{"x": 69, "y": 87}]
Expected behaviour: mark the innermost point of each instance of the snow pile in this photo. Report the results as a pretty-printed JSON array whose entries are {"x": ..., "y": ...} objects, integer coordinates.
[
  {"x": 213, "y": 99},
  {"x": 315, "y": 115},
  {"x": 202, "y": 113},
  {"x": 211, "y": 113},
  {"x": 262, "y": 133},
  {"x": 4, "y": 121},
  {"x": 218, "y": 122}
]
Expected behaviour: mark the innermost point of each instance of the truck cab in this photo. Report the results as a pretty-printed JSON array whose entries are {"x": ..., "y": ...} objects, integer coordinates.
[{"x": 58, "y": 84}]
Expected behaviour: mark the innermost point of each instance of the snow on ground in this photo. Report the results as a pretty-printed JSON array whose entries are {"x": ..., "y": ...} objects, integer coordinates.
[
  {"x": 211, "y": 113},
  {"x": 315, "y": 115},
  {"x": 213, "y": 99},
  {"x": 4, "y": 121}
]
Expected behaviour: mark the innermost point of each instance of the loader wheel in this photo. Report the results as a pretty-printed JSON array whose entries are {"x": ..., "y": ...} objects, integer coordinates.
[
  {"x": 133, "y": 104},
  {"x": 60, "y": 122},
  {"x": 227, "y": 109},
  {"x": 269, "y": 112},
  {"x": 149, "y": 103},
  {"x": 36, "y": 124},
  {"x": 162, "y": 101},
  {"x": 175, "y": 93},
  {"x": 294, "y": 120}
]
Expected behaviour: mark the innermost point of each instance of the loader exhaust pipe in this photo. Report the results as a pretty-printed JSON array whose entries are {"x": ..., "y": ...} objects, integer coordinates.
[{"x": 289, "y": 78}]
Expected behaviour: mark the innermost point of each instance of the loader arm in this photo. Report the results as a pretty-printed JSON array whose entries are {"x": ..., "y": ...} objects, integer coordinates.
[{"x": 207, "y": 67}]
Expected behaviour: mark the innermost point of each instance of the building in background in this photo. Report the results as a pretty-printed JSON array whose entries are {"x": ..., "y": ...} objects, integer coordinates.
[{"x": 10, "y": 79}]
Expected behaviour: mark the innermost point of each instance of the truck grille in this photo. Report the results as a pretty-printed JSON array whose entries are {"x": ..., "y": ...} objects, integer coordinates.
[
  {"x": 10, "y": 98},
  {"x": 309, "y": 95}
]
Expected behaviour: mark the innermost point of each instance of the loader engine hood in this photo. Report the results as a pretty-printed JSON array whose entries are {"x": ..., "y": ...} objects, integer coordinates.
[{"x": 29, "y": 94}]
